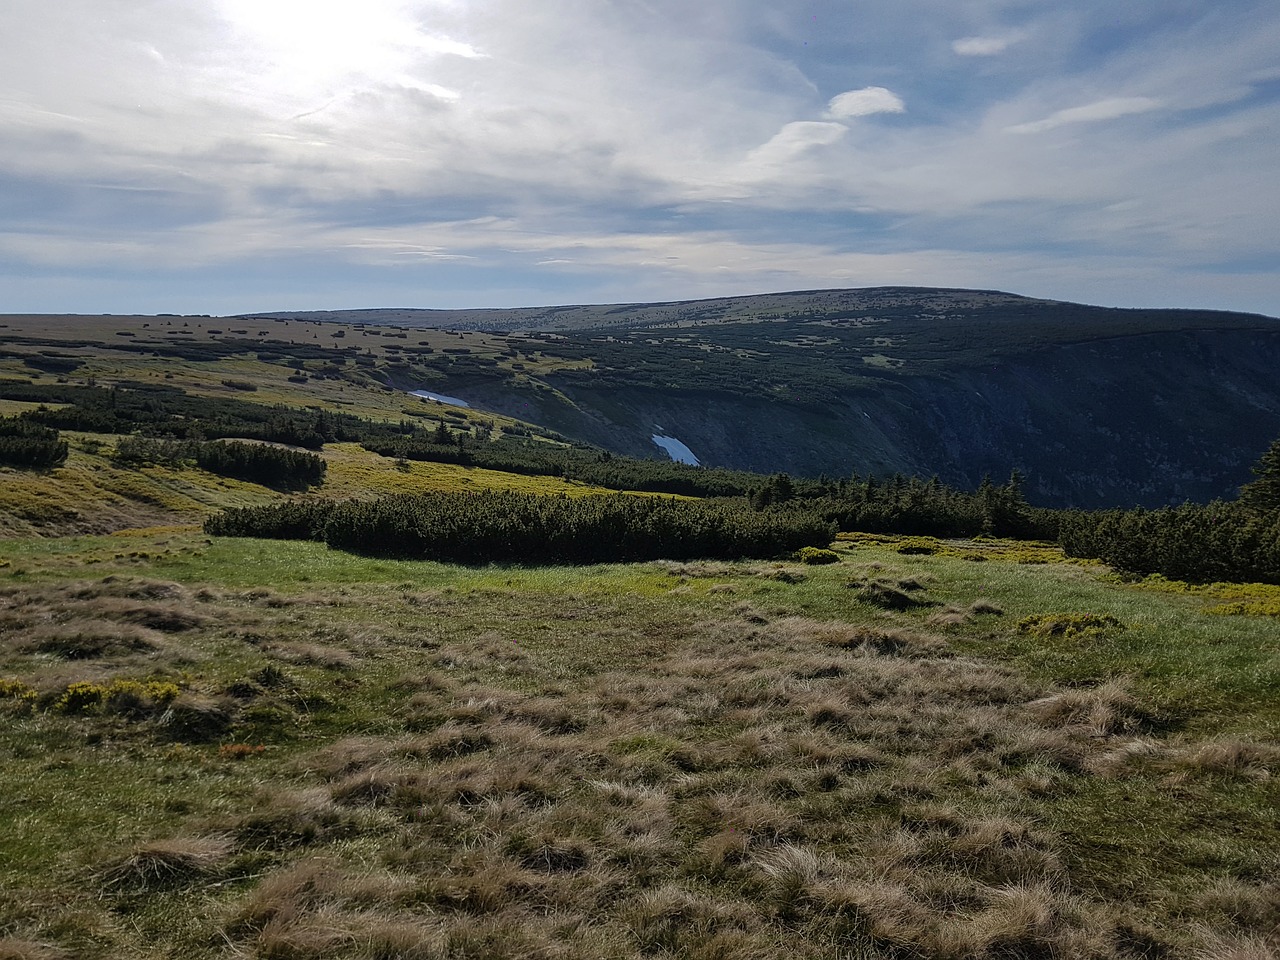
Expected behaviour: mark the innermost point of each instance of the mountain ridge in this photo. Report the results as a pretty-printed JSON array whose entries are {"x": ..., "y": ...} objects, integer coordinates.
[{"x": 1099, "y": 406}]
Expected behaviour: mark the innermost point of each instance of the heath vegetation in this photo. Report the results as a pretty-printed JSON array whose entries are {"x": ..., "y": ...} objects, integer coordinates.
[
  {"x": 382, "y": 758},
  {"x": 370, "y": 712}
]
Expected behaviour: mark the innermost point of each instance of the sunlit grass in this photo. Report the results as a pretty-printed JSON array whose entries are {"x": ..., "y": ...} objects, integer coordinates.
[
  {"x": 430, "y": 751},
  {"x": 353, "y": 471}
]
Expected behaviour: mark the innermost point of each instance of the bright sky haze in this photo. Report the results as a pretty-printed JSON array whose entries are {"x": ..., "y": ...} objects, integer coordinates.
[{"x": 228, "y": 156}]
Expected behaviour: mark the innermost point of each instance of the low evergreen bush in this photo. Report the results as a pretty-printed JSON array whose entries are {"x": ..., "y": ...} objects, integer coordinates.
[
  {"x": 505, "y": 527},
  {"x": 29, "y": 445}
]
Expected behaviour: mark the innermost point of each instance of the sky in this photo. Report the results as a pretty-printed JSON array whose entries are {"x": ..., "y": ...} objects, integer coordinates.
[{"x": 232, "y": 156}]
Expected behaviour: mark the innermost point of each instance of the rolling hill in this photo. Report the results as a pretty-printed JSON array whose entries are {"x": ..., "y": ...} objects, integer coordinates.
[{"x": 1097, "y": 406}]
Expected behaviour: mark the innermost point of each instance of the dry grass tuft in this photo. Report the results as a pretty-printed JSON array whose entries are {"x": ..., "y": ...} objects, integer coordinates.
[
  {"x": 1254, "y": 908},
  {"x": 168, "y": 863},
  {"x": 1023, "y": 922},
  {"x": 195, "y": 718},
  {"x": 888, "y": 596},
  {"x": 13, "y": 948},
  {"x": 312, "y": 909},
  {"x": 289, "y": 819},
  {"x": 1232, "y": 757},
  {"x": 131, "y": 588},
  {"x": 1105, "y": 710},
  {"x": 313, "y": 654},
  {"x": 948, "y": 617},
  {"x": 790, "y": 873},
  {"x": 164, "y": 617},
  {"x": 1126, "y": 758},
  {"x": 91, "y": 640},
  {"x": 1217, "y": 947},
  {"x": 672, "y": 920},
  {"x": 780, "y": 574},
  {"x": 863, "y": 638}
]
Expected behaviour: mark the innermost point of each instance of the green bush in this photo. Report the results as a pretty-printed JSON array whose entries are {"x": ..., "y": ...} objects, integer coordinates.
[
  {"x": 1227, "y": 542},
  {"x": 506, "y": 527},
  {"x": 258, "y": 463},
  {"x": 29, "y": 445},
  {"x": 817, "y": 555}
]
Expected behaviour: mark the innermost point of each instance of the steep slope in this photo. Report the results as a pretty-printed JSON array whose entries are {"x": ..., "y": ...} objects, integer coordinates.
[{"x": 1097, "y": 406}]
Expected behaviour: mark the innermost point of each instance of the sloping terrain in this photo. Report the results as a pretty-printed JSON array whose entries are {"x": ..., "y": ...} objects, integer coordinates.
[{"x": 1098, "y": 407}]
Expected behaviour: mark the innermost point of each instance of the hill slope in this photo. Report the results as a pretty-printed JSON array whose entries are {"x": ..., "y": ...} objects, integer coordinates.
[{"x": 1098, "y": 406}]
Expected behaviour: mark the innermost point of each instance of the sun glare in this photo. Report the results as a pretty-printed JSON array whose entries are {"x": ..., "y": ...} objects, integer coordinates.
[{"x": 297, "y": 50}]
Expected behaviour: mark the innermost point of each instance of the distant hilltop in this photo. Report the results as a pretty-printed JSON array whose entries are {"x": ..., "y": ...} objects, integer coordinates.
[
  {"x": 1096, "y": 405},
  {"x": 755, "y": 307}
]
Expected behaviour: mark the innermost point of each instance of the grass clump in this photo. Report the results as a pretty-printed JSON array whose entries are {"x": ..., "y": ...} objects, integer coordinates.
[
  {"x": 167, "y": 864},
  {"x": 1068, "y": 624}
]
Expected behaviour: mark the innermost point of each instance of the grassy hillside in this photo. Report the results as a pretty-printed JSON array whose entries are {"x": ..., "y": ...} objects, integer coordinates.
[
  {"x": 220, "y": 748},
  {"x": 226, "y": 748},
  {"x": 92, "y": 494},
  {"x": 1096, "y": 407}
]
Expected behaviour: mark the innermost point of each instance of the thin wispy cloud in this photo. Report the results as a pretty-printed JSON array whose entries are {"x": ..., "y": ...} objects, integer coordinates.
[
  {"x": 988, "y": 44},
  {"x": 1111, "y": 108},
  {"x": 241, "y": 155}
]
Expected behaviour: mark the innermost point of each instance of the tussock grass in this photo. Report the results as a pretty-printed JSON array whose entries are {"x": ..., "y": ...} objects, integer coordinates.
[
  {"x": 12, "y": 948},
  {"x": 1105, "y": 710},
  {"x": 169, "y": 863},
  {"x": 585, "y": 763},
  {"x": 1232, "y": 757}
]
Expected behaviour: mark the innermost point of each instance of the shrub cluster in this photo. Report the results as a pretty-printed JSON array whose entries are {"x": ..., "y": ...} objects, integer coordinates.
[
  {"x": 166, "y": 411},
  {"x": 1193, "y": 542},
  {"x": 258, "y": 463},
  {"x": 505, "y": 527},
  {"x": 29, "y": 445},
  {"x": 136, "y": 699},
  {"x": 255, "y": 462}
]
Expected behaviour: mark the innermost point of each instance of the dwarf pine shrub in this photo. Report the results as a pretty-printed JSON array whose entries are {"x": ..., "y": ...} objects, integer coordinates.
[
  {"x": 28, "y": 445},
  {"x": 507, "y": 527},
  {"x": 817, "y": 556}
]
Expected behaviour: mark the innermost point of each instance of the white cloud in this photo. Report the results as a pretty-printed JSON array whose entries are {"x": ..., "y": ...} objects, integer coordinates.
[
  {"x": 864, "y": 103},
  {"x": 1109, "y": 109},
  {"x": 640, "y": 120},
  {"x": 796, "y": 138},
  {"x": 985, "y": 46}
]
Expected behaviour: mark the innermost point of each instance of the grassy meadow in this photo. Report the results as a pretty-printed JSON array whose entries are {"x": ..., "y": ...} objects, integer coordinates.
[
  {"x": 237, "y": 748},
  {"x": 240, "y": 748}
]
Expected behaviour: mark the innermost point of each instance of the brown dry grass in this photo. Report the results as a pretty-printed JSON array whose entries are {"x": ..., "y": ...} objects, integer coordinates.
[
  {"x": 12, "y": 948},
  {"x": 167, "y": 863},
  {"x": 810, "y": 810},
  {"x": 737, "y": 780}
]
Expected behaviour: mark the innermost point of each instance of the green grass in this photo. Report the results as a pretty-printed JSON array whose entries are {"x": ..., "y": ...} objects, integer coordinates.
[{"x": 713, "y": 759}]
